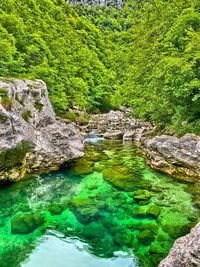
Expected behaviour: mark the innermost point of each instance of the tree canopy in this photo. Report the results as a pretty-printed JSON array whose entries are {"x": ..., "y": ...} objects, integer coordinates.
[{"x": 145, "y": 55}]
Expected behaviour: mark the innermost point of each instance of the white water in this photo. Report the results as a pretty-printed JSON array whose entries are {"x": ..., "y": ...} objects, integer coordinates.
[{"x": 93, "y": 137}]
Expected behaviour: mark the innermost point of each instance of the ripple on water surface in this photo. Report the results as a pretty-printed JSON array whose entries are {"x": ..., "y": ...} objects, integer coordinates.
[
  {"x": 102, "y": 210},
  {"x": 71, "y": 252}
]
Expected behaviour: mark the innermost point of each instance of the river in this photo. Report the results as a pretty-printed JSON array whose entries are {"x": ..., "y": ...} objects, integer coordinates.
[{"x": 108, "y": 209}]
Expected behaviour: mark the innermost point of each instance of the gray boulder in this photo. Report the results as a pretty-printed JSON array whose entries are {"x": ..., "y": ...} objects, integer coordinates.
[
  {"x": 31, "y": 138},
  {"x": 185, "y": 251},
  {"x": 178, "y": 157}
]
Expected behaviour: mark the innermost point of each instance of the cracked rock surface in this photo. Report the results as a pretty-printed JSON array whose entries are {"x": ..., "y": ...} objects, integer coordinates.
[
  {"x": 178, "y": 157},
  {"x": 185, "y": 251},
  {"x": 31, "y": 138}
]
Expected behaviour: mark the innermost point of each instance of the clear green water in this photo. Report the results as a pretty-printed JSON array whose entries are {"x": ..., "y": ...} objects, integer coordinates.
[{"x": 108, "y": 209}]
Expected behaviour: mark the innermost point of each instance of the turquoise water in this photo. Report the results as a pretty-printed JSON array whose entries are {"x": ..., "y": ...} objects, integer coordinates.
[{"x": 107, "y": 209}]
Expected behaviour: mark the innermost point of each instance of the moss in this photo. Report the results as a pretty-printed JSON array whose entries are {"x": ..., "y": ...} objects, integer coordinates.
[
  {"x": 26, "y": 115},
  {"x": 43, "y": 92},
  {"x": 120, "y": 176},
  {"x": 146, "y": 237},
  {"x": 82, "y": 167},
  {"x": 3, "y": 118},
  {"x": 5, "y": 100},
  {"x": 25, "y": 223},
  {"x": 38, "y": 105},
  {"x": 20, "y": 99},
  {"x": 33, "y": 86},
  {"x": 153, "y": 211},
  {"x": 14, "y": 157},
  {"x": 55, "y": 208},
  {"x": 3, "y": 92}
]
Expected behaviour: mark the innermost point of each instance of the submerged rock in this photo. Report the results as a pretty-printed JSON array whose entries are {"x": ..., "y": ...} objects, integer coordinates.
[
  {"x": 82, "y": 167},
  {"x": 178, "y": 157},
  {"x": 185, "y": 251},
  {"x": 153, "y": 211},
  {"x": 26, "y": 223},
  {"x": 120, "y": 176},
  {"x": 31, "y": 138},
  {"x": 146, "y": 237}
]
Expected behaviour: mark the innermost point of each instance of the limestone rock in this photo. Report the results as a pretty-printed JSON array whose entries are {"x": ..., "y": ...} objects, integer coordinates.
[
  {"x": 118, "y": 125},
  {"x": 103, "y": 3},
  {"x": 174, "y": 156},
  {"x": 185, "y": 251},
  {"x": 31, "y": 138},
  {"x": 114, "y": 135}
]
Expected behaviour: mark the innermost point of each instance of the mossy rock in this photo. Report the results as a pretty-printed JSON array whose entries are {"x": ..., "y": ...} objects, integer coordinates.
[
  {"x": 142, "y": 195},
  {"x": 146, "y": 237},
  {"x": 26, "y": 223},
  {"x": 77, "y": 202},
  {"x": 151, "y": 225},
  {"x": 139, "y": 212},
  {"x": 133, "y": 224},
  {"x": 93, "y": 156},
  {"x": 94, "y": 230},
  {"x": 13, "y": 157},
  {"x": 175, "y": 224},
  {"x": 3, "y": 118},
  {"x": 55, "y": 208},
  {"x": 109, "y": 222},
  {"x": 120, "y": 177},
  {"x": 98, "y": 167},
  {"x": 153, "y": 211},
  {"x": 160, "y": 248},
  {"x": 82, "y": 167},
  {"x": 126, "y": 238},
  {"x": 87, "y": 214}
]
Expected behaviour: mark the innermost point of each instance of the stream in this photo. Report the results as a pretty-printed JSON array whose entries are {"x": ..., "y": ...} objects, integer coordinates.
[{"x": 108, "y": 209}]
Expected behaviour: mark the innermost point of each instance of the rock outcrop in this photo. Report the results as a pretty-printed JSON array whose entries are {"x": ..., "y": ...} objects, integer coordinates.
[
  {"x": 103, "y": 3},
  {"x": 119, "y": 125},
  {"x": 185, "y": 251},
  {"x": 31, "y": 138},
  {"x": 178, "y": 157}
]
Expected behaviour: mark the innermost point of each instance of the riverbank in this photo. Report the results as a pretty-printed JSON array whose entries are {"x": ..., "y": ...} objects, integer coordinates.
[{"x": 178, "y": 157}]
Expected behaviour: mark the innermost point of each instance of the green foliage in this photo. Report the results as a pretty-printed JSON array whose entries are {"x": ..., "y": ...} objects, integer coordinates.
[
  {"x": 145, "y": 55},
  {"x": 5, "y": 100}
]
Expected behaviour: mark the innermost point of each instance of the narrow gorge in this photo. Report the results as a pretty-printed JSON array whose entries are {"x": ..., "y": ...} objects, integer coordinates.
[
  {"x": 99, "y": 133},
  {"x": 104, "y": 197}
]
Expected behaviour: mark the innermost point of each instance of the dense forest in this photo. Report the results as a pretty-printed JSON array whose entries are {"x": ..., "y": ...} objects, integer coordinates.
[{"x": 145, "y": 55}]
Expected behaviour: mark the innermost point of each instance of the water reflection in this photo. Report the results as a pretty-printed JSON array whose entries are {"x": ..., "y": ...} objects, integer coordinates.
[{"x": 54, "y": 250}]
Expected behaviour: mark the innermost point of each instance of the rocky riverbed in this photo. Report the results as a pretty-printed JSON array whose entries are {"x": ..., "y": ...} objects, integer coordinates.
[
  {"x": 31, "y": 138},
  {"x": 178, "y": 157}
]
